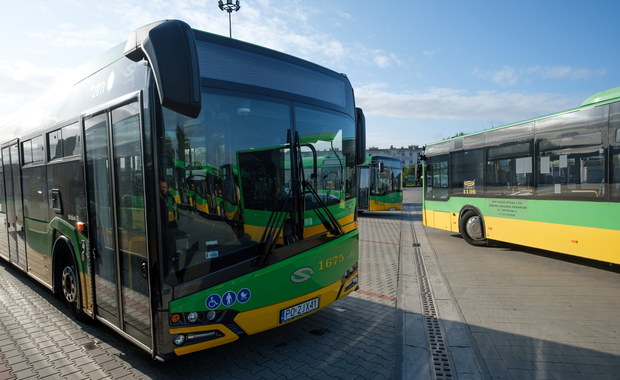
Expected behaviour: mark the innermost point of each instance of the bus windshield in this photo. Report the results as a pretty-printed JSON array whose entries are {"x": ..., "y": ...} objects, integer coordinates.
[
  {"x": 388, "y": 177},
  {"x": 227, "y": 188}
]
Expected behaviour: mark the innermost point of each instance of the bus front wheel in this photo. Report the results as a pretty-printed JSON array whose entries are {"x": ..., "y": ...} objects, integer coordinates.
[
  {"x": 472, "y": 229},
  {"x": 68, "y": 288}
]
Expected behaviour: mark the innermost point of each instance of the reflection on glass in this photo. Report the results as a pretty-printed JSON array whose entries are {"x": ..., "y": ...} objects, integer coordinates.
[
  {"x": 246, "y": 175},
  {"x": 437, "y": 177},
  {"x": 100, "y": 217},
  {"x": 571, "y": 166},
  {"x": 616, "y": 173},
  {"x": 130, "y": 220}
]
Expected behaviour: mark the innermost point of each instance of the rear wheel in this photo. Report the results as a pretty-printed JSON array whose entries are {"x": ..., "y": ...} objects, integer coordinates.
[{"x": 472, "y": 228}]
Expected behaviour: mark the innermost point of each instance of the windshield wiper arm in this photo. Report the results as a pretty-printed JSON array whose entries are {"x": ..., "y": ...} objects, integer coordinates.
[
  {"x": 330, "y": 222},
  {"x": 275, "y": 225}
]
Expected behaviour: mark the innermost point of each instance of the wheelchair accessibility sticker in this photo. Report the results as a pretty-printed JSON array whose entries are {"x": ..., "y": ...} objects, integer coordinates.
[
  {"x": 229, "y": 298},
  {"x": 213, "y": 301}
]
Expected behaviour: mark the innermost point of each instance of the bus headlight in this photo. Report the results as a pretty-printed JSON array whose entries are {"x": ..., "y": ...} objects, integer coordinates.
[
  {"x": 192, "y": 317},
  {"x": 179, "y": 339},
  {"x": 349, "y": 272}
]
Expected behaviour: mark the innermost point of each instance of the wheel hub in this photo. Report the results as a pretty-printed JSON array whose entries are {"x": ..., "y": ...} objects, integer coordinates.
[
  {"x": 474, "y": 228},
  {"x": 69, "y": 284}
]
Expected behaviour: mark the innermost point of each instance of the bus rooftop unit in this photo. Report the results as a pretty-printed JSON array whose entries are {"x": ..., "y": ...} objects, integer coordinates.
[
  {"x": 170, "y": 192},
  {"x": 551, "y": 182}
]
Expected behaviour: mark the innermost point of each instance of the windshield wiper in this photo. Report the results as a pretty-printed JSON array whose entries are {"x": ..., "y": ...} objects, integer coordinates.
[
  {"x": 330, "y": 222},
  {"x": 275, "y": 225},
  {"x": 328, "y": 219}
]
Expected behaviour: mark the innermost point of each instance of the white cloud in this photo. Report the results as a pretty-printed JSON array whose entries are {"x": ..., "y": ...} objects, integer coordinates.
[
  {"x": 67, "y": 35},
  {"x": 507, "y": 76},
  {"x": 431, "y": 53},
  {"x": 511, "y": 76},
  {"x": 492, "y": 107},
  {"x": 567, "y": 72},
  {"x": 23, "y": 78}
]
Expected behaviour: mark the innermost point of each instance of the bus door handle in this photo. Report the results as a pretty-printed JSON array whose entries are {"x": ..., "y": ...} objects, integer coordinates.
[{"x": 143, "y": 268}]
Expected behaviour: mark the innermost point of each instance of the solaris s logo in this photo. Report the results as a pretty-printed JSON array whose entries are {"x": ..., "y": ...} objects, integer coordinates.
[{"x": 302, "y": 274}]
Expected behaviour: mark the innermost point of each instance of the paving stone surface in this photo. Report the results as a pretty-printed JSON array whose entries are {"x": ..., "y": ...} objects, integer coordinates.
[{"x": 429, "y": 306}]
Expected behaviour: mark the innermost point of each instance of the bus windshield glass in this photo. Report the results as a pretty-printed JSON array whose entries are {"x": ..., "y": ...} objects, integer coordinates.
[
  {"x": 389, "y": 177},
  {"x": 228, "y": 187}
]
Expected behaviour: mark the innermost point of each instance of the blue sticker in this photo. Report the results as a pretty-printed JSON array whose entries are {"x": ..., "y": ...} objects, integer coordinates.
[
  {"x": 229, "y": 298},
  {"x": 213, "y": 301},
  {"x": 244, "y": 295}
]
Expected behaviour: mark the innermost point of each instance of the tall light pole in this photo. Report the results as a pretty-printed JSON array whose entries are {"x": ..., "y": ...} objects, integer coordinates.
[{"x": 229, "y": 7}]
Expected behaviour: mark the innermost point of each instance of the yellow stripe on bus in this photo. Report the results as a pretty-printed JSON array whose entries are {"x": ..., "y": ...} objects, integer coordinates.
[
  {"x": 587, "y": 242},
  {"x": 228, "y": 337},
  {"x": 374, "y": 205},
  {"x": 265, "y": 318},
  {"x": 448, "y": 221}
]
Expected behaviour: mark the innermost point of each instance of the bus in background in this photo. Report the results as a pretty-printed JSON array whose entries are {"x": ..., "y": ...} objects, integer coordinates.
[
  {"x": 380, "y": 184},
  {"x": 551, "y": 182},
  {"x": 129, "y": 197},
  {"x": 411, "y": 181}
]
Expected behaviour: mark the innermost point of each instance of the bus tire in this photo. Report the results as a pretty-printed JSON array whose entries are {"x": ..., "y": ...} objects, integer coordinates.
[
  {"x": 472, "y": 228},
  {"x": 67, "y": 282}
]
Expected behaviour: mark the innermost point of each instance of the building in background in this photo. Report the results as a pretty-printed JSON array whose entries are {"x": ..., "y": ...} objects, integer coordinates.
[{"x": 409, "y": 155}]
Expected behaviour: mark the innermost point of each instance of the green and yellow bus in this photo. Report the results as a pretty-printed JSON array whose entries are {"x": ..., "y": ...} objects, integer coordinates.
[
  {"x": 380, "y": 184},
  {"x": 551, "y": 182},
  {"x": 132, "y": 195},
  {"x": 411, "y": 181}
]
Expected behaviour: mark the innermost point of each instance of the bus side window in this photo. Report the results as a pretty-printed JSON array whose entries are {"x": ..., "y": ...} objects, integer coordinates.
[
  {"x": 509, "y": 169},
  {"x": 615, "y": 167},
  {"x": 467, "y": 167},
  {"x": 54, "y": 141},
  {"x": 615, "y": 184},
  {"x": 571, "y": 166},
  {"x": 437, "y": 177}
]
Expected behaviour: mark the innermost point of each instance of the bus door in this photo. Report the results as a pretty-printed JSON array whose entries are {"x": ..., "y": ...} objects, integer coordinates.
[
  {"x": 14, "y": 208},
  {"x": 364, "y": 187},
  {"x": 4, "y": 242},
  {"x": 114, "y": 172}
]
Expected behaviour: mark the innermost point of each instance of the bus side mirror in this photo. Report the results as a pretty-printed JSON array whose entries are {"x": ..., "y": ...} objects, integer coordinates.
[
  {"x": 360, "y": 136},
  {"x": 380, "y": 166},
  {"x": 170, "y": 48}
]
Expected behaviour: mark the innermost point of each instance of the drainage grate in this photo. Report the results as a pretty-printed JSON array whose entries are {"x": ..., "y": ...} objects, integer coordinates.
[{"x": 440, "y": 353}]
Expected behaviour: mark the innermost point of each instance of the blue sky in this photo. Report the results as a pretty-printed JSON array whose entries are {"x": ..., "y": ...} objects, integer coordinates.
[{"x": 422, "y": 70}]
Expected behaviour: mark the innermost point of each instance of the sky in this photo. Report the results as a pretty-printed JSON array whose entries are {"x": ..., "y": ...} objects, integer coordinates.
[{"x": 422, "y": 70}]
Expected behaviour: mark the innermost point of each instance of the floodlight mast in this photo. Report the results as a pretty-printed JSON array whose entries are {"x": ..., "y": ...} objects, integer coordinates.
[{"x": 229, "y": 7}]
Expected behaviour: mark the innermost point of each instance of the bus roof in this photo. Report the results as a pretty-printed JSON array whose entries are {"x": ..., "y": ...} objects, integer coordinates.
[{"x": 603, "y": 97}]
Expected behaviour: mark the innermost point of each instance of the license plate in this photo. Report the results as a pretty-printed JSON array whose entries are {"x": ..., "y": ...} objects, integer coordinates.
[{"x": 298, "y": 310}]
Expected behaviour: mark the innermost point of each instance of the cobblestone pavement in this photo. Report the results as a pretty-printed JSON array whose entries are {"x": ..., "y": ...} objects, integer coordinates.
[
  {"x": 523, "y": 313},
  {"x": 354, "y": 338}
]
